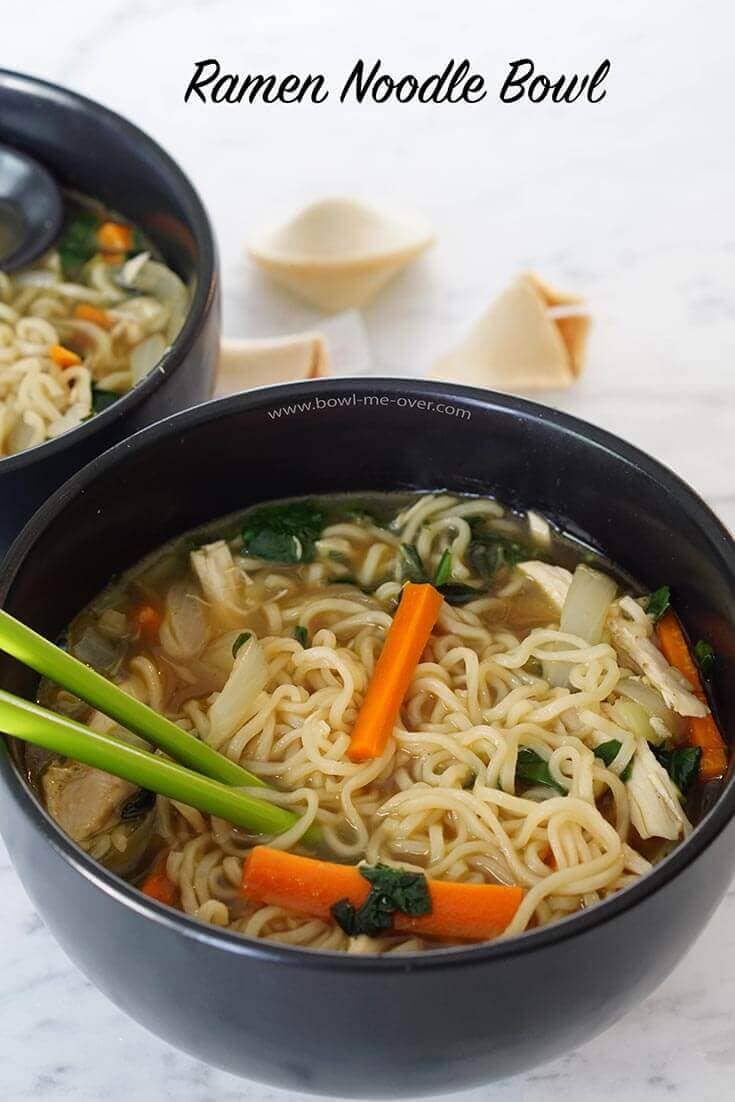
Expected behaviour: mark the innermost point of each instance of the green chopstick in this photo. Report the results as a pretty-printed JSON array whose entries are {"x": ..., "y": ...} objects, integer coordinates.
[
  {"x": 28, "y": 721},
  {"x": 51, "y": 661}
]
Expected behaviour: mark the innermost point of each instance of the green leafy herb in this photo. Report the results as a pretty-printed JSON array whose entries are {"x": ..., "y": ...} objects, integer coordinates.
[
  {"x": 658, "y": 602},
  {"x": 138, "y": 804},
  {"x": 101, "y": 399},
  {"x": 681, "y": 764},
  {"x": 706, "y": 659},
  {"x": 78, "y": 242},
  {"x": 301, "y": 634},
  {"x": 242, "y": 638},
  {"x": 444, "y": 569},
  {"x": 608, "y": 751},
  {"x": 391, "y": 890},
  {"x": 533, "y": 769},
  {"x": 457, "y": 593},
  {"x": 412, "y": 568},
  {"x": 283, "y": 533},
  {"x": 488, "y": 553}
]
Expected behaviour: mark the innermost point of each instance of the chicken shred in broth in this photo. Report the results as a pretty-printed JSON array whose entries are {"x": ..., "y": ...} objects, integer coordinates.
[{"x": 533, "y": 746}]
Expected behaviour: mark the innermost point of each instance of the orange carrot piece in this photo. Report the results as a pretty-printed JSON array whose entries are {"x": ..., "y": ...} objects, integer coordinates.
[
  {"x": 86, "y": 312},
  {"x": 157, "y": 884},
  {"x": 113, "y": 237},
  {"x": 703, "y": 731},
  {"x": 148, "y": 621},
  {"x": 408, "y": 635},
  {"x": 113, "y": 259},
  {"x": 464, "y": 912},
  {"x": 64, "y": 357}
]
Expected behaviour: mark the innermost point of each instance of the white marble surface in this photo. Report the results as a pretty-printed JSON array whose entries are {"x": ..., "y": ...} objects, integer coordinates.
[{"x": 629, "y": 201}]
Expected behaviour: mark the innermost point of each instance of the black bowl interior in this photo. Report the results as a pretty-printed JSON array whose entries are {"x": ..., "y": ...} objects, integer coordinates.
[{"x": 375, "y": 435}]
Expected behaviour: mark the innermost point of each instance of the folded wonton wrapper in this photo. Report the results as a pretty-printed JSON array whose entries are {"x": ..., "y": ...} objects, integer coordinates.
[
  {"x": 338, "y": 253},
  {"x": 531, "y": 337},
  {"x": 248, "y": 363},
  {"x": 340, "y": 347}
]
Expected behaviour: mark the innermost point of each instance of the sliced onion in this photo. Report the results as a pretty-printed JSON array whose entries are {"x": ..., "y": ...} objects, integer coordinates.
[
  {"x": 234, "y": 705},
  {"x": 153, "y": 278},
  {"x": 145, "y": 356},
  {"x": 185, "y": 628},
  {"x": 584, "y": 613},
  {"x": 218, "y": 655},
  {"x": 650, "y": 699},
  {"x": 633, "y": 717},
  {"x": 96, "y": 651}
]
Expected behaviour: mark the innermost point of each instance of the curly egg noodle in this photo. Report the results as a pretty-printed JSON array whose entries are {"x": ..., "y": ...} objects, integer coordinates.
[{"x": 443, "y": 797}]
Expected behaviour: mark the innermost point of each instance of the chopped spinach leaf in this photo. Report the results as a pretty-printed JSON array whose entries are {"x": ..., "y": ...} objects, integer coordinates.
[
  {"x": 658, "y": 602},
  {"x": 391, "y": 890},
  {"x": 138, "y": 804},
  {"x": 283, "y": 533},
  {"x": 412, "y": 568},
  {"x": 345, "y": 915},
  {"x": 78, "y": 243},
  {"x": 457, "y": 593},
  {"x": 608, "y": 751},
  {"x": 533, "y": 769},
  {"x": 706, "y": 659},
  {"x": 681, "y": 764},
  {"x": 489, "y": 553},
  {"x": 301, "y": 634},
  {"x": 444, "y": 569},
  {"x": 242, "y": 638},
  {"x": 101, "y": 399}
]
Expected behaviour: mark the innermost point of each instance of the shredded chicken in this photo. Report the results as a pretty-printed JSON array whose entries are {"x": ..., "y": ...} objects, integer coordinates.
[
  {"x": 83, "y": 800},
  {"x": 221, "y": 582},
  {"x": 631, "y": 630},
  {"x": 655, "y": 809},
  {"x": 554, "y": 580}
]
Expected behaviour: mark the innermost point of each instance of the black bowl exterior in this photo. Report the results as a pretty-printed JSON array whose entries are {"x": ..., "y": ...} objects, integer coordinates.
[
  {"x": 332, "y": 1023},
  {"x": 92, "y": 150}
]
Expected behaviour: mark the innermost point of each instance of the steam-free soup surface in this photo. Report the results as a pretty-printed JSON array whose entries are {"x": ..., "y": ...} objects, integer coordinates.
[{"x": 543, "y": 745}]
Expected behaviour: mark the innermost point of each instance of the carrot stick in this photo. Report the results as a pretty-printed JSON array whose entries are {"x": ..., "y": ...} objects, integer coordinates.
[
  {"x": 113, "y": 237},
  {"x": 86, "y": 312},
  {"x": 157, "y": 884},
  {"x": 465, "y": 912},
  {"x": 64, "y": 357},
  {"x": 408, "y": 635},
  {"x": 703, "y": 730}
]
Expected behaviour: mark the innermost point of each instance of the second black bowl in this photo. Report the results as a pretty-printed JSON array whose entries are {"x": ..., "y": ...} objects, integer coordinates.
[
  {"x": 90, "y": 149},
  {"x": 327, "y": 1022}
]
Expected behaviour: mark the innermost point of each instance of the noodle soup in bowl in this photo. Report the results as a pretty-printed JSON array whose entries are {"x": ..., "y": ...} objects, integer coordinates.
[
  {"x": 118, "y": 324},
  {"x": 486, "y": 786}
]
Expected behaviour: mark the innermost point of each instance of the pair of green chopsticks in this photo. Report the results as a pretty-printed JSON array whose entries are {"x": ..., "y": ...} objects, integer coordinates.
[{"x": 200, "y": 776}]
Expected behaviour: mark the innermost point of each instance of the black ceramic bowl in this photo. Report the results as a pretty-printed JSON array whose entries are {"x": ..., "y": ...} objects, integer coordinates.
[
  {"x": 326, "y": 1022},
  {"x": 92, "y": 150}
]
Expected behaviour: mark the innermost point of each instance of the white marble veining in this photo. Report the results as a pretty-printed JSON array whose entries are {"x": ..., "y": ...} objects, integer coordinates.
[{"x": 629, "y": 201}]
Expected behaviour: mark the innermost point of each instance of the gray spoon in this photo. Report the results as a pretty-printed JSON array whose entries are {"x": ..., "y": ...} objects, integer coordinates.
[{"x": 31, "y": 209}]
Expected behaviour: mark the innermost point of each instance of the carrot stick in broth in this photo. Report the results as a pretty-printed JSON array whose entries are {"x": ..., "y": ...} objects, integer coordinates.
[
  {"x": 703, "y": 731},
  {"x": 408, "y": 635},
  {"x": 462, "y": 912}
]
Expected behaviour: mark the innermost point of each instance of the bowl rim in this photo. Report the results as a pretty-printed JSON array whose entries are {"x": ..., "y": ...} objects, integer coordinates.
[
  {"x": 206, "y": 270},
  {"x": 531, "y": 941}
]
